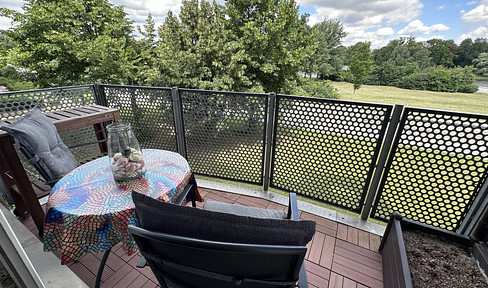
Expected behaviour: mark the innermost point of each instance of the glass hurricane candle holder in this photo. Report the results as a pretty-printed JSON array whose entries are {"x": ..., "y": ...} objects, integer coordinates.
[{"x": 124, "y": 152}]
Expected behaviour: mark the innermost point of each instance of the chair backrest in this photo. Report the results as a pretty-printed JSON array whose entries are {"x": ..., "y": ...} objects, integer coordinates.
[
  {"x": 187, "y": 262},
  {"x": 39, "y": 141}
]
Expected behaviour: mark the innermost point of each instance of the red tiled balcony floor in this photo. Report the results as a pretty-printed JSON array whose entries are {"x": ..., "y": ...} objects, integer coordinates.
[{"x": 337, "y": 256}]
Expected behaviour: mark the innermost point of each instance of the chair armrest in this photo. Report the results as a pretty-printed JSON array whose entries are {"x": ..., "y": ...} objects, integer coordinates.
[
  {"x": 183, "y": 195},
  {"x": 293, "y": 207},
  {"x": 302, "y": 277}
]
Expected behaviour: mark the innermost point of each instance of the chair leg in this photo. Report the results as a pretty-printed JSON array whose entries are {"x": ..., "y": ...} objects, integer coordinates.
[
  {"x": 302, "y": 278},
  {"x": 142, "y": 262}
]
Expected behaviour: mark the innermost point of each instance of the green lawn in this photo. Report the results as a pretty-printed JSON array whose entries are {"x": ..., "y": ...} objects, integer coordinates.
[{"x": 460, "y": 102}]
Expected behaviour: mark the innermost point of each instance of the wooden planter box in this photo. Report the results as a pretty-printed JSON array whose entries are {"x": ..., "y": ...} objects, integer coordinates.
[{"x": 396, "y": 272}]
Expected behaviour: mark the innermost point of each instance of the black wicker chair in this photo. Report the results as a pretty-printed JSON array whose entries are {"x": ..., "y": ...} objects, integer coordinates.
[{"x": 184, "y": 261}]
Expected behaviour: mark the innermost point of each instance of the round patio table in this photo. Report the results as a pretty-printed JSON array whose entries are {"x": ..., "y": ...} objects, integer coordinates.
[{"x": 88, "y": 211}]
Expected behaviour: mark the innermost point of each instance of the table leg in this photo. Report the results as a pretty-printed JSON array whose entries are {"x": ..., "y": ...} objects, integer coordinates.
[{"x": 100, "y": 268}]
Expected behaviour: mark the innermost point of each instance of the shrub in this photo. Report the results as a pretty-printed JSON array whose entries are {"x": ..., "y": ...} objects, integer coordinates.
[
  {"x": 317, "y": 88},
  {"x": 417, "y": 81},
  {"x": 441, "y": 79},
  {"x": 347, "y": 76},
  {"x": 388, "y": 74}
]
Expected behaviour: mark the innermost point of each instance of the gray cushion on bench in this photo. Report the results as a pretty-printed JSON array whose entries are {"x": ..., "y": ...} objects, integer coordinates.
[
  {"x": 39, "y": 136},
  {"x": 242, "y": 210},
  {"x": 197, "y": 223}
]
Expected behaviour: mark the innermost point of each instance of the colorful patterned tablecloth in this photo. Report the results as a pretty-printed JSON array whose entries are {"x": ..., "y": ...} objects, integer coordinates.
[{"x": 88, "y": 211}]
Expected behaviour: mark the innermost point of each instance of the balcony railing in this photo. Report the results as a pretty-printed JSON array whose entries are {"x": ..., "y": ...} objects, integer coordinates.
[{"x": 371, "y": 159}]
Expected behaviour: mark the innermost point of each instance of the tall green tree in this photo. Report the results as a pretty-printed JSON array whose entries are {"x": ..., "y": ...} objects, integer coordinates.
[
  {"x": 11, "y": 77},
  {"x": 275, "y": 39},
  {"x": 145, "y": 50},
  {"x": 442, "y": 52},
  {"x": 481, "y": 64},
  {"x": 361, "y": 65},
  {"x": 401, "y": 57},
  {"x": 71, "y": 42},
  {"x": 197, "y": 51},
  {"x": 326, "y": 60},
  {"x": 469, "y": 50}
]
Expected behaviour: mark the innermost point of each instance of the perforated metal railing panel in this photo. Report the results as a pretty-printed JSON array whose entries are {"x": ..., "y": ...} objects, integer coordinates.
[
  {"x": 79, "y": 136},
  {"x": 149, "y": 111},
  {"x": 437, "y": 165},
  {"x": 15, "y": 104},
  {"x": 326, "y": 149},
  {"x": 225, "y": 133}
]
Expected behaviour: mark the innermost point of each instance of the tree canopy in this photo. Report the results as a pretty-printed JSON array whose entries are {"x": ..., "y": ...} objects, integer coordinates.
[
  {"x": 71, "y": 42},
  {"x": 326, "y": 61},
  {"x": 242, "y": 45},
  {"x": 274, "y": 39},
  {"x": 196, "y": 51},
  {"x": 481, "y": 64}
]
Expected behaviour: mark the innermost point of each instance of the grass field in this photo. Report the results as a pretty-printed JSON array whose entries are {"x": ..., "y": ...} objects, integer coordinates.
[{"x": 460, "y": 102}]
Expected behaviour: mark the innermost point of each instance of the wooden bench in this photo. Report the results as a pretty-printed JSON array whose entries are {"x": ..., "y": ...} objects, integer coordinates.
[{"x": 12, "y": 172}]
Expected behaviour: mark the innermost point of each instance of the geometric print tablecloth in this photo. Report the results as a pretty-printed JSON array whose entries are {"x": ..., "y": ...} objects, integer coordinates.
[{"x": 88, "y": 211}]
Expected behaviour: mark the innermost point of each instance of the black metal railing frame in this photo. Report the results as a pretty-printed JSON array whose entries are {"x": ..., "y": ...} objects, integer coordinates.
[{"x": 263, "y": 154}]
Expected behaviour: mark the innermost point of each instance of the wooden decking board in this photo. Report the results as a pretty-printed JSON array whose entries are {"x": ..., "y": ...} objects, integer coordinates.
[
  {"x": 138, "y": 282},
  {"x": 327, "y": 252},
  {"x": 317, "y": 270},
  {"x": 353, "y": 235},
  {"x": 356, "y": 266},
  {"x": 363, "y": 260},
  {"x": 317, "y": 280},
  {"x": 316, "y": 248},
  {"x": 342, "y": 232},
  {"x": 85, "y": 275},
  {"x": 336, "y": 280},
  {"x": 337, "y": 256},
  {"x": 309, "y": 245},
  {"x": 374, "y": 242},
  {"x": 348, "y": 283},
  {"x": 229, "y": 196},
  {"x": 327, "y": 224},
  {"x": 363, "y": 239},
  {"x": 359, "y": 250},
  {"x": 127, "y": 278},
  {"x": 250, "y": 202},
  {"x": 117, "y": 276},
  {"x": 149, "y": 284},
  {"x": 219, "y": 198},
  {"x": 356, "y": 276}
]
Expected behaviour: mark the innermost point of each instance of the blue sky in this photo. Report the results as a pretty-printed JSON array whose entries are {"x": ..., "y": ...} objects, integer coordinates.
[{"x": 376, "y": 21}]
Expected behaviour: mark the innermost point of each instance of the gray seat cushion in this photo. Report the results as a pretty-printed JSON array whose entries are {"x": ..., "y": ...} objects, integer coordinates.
[
  {"x": 158, "y": 216},
  {"x": 39, "y": 136},
  {"x": 242, "y": 210}
]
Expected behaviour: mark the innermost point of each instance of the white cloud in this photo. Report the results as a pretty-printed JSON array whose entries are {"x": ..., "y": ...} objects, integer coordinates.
[
  {"x": 417, "y": 27},
  {"x": 386, "y": 31},
  {"x": 423, "y": 39},
  {"x": 138, "y": 10},
  {"x": 441, "y": 7},
  {"x": 5, "y": 23},
  {"x": 365, "y": 14},
  {"x": 480, "y": 32},
  {"x": 478, "y": 14},
  {"x": 378, "y": 38},
  {"x": 359, "y": 17},
  {"x": 471, "y": 3}
]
